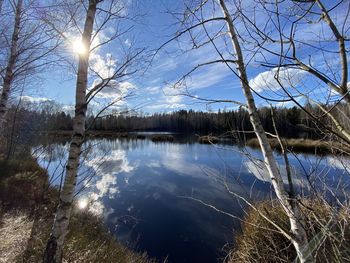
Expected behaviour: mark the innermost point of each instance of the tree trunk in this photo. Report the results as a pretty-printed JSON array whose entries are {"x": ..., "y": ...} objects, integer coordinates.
[
  {"x": 298, "y": 233},
  {"x": 54, "y": 248},
  {"x": 8, "y": 78}
]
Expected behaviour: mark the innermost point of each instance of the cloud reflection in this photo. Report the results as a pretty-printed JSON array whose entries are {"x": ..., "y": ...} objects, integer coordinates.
[
  {"x": 259, "y": 170},
  {"x": 106, "y": 166},
  {"x": 339, "y": 162}
]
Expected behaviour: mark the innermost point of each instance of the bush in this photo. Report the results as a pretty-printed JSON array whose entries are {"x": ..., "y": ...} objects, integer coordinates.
[
  {"x": 22, "y": 183},
  {"x": 260, "y": 242}
]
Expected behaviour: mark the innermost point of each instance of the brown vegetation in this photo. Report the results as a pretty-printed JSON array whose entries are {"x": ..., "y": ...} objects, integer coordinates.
[
  {"x": 27, "y": 207},
  {"x": 260, "y": 242},
  {"x": 208, "y": 139},
  {"x": 162, "y": 138},
  {"x": 301, "y": 145}
]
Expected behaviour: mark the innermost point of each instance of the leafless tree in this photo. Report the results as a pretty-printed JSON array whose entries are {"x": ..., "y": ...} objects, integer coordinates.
[
  {"x": 98, "y": 15},
  {"x": 25, "y": 47},
  {"x": 303, "y": 46},
  {"x": 239, "y": 38}
]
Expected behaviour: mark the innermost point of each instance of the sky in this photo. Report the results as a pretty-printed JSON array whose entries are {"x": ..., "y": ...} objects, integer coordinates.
[{"x": 152, "y": 85}]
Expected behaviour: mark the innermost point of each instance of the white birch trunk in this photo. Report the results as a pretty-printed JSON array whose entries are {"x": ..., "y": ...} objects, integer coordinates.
[
  {"x": 54, "y": 249},
  {"x": 8, "y": 78},
  {"x": 298, "y": 233}
]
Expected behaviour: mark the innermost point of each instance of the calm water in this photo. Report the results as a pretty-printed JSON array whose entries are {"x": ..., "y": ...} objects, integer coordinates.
[{"x": 153, "y": 196}]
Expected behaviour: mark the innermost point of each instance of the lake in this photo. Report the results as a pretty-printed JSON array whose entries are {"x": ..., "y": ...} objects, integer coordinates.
[{"x": 171, "y": 199}]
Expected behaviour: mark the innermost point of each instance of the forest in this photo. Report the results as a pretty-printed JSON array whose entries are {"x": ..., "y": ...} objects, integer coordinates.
[{"x": 307, "y": 122}]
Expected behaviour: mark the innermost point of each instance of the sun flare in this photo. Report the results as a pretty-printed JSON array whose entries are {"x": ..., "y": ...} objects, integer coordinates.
[
  {"x": 79, "y": 47},
  {"x": 82, "y": 203}
]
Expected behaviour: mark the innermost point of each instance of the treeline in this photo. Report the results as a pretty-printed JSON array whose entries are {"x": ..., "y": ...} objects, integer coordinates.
[{"x": 290, "y": 122}]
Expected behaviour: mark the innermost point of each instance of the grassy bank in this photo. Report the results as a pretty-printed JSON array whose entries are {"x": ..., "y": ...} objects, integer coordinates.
[
  {"x": 260, "y": 242},
  {"x": 301, "y": 145},
  {"x": 27, "y": 206}
]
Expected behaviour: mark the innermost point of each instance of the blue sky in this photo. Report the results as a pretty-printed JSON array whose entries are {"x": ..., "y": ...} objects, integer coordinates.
[{"x": 152, "y": 88}]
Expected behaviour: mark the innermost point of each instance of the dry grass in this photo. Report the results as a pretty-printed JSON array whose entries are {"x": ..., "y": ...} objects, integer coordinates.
[
  {"x": 260, "y": 242},
  {"x": 87, "y": 241},
  {"x": 300, "y": 145},
  {"x": 28, "y": 207},
  {"x": 15, "y": 229},
  {"x": 208, "y": 139}
]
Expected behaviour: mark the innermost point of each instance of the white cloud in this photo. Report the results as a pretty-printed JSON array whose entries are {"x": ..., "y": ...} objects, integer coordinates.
[
  {"x": 103, "y": 66},
  {"x": 127, "y": 43},
  {"x": 114, "y": 89},
  {"x": 34, "y": 99},
  {"x": 153, "y": 90},
  {"x": 210, "y": 76},
  {"x": 266, "y": 80},
  {"x": 69, "y": 109},
  {"x": 167, "y": 107}
]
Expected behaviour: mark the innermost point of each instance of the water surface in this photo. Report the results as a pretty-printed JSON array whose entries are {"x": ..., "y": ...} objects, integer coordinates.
[{"x": 156, "y": 197}]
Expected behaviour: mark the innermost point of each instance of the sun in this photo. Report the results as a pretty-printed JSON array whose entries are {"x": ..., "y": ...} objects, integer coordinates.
[
  {"x": 83, "y": 203},
  {"x": 78, "y": 47}
]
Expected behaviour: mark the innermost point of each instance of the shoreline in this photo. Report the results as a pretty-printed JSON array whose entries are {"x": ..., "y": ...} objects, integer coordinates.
[
  {"x": 27, "y": 207},
  {"x": 299, "y": 145},
  {"x": 319, "y": 147}
]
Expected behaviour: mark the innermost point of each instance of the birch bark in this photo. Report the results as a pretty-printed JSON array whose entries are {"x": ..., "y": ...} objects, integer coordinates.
[
  {"x": 54, "y": 249},
  {"x": 8, "y": 78},
  {"x": 298, "y": 233}
]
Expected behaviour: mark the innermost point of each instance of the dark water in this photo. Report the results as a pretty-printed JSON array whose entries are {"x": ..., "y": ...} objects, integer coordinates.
[{"x": 155, "y": 196}]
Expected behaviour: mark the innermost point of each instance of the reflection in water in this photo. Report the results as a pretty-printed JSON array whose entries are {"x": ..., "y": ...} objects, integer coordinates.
[
  {"x": 259, "y": 170},
  {"x": 105, "y": 168},
  {"x": 138, "y": 185},
  {"x": 340, "y": 163}
]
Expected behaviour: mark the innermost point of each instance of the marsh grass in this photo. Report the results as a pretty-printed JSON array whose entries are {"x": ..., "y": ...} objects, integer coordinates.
[
  {"x": 300, "y": 145},
  {"x": 260, "y": 242}
]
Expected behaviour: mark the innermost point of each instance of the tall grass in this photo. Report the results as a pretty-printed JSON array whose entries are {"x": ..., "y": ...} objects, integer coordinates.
[
  {"x": 260, "y": 242},
  {"x": 300, "y": 145}
]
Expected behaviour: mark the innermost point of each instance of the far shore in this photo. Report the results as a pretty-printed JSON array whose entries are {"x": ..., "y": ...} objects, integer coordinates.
[{"x": 299, "y": 145}]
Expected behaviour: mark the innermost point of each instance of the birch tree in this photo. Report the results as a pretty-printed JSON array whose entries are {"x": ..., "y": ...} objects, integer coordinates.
[
  {"x": 309, "y": 40},
  {"x": 98, "y": 14},
  {"x": 25, "y": 47},
  {"x": 298, "y": 234},
  {"x": 7, "y": 79},
  {"x": 205, "y": 27}
]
